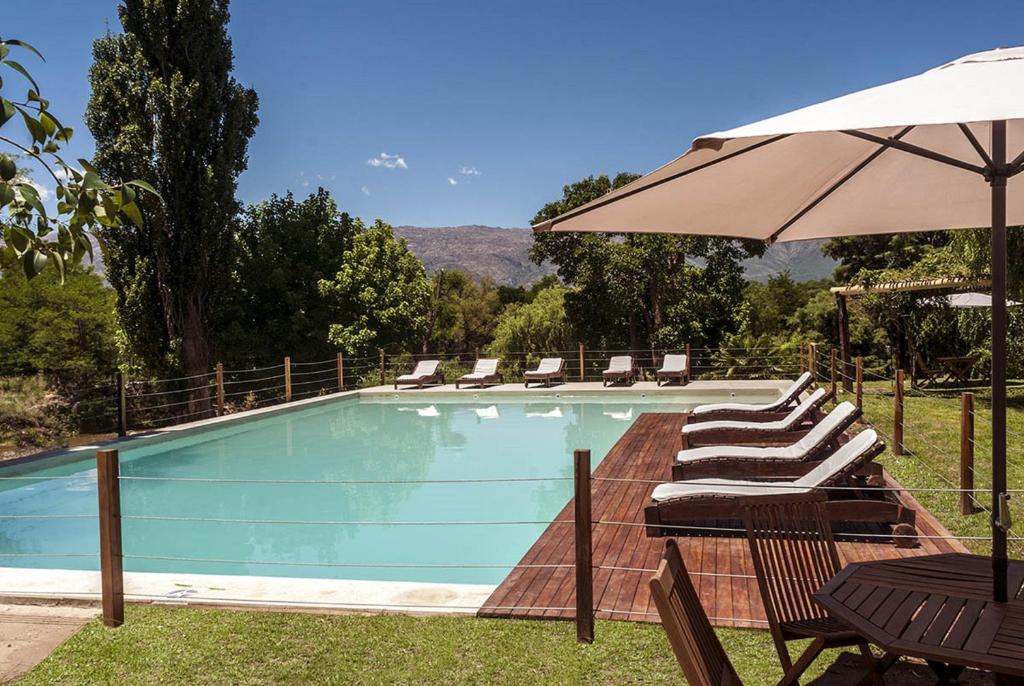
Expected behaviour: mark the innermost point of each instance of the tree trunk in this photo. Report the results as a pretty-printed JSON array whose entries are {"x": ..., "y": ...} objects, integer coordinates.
[
  {"x": 634, "y": 332},
  {"x": 195, "y": 355}
]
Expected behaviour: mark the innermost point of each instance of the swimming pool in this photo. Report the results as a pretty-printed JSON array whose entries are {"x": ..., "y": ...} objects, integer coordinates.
[{"x": 391, "y": 470}]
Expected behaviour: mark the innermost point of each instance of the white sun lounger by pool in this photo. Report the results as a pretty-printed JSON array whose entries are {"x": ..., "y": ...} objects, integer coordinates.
[
  {"x": 673, "y": 367},
  {"x": 799, "y": 414},
  {"x": 549, "y": 369},
  {"x": 485, "y": 371},
  {"x": 620, "y": 368},
  {"x": 426, "y": 371},
  {"x": 839, "y": 463},
  {"x": 789, "y": 397},
  {"x": 761, "y": 460}
]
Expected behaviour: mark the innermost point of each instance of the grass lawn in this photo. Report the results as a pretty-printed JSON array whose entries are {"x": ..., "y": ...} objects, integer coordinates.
[
  {"x": 206, "y": 646},
  {"x": 932, "y": 439}
]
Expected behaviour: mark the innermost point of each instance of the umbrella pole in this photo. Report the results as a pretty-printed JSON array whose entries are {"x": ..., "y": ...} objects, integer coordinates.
[{"x": 999, "y": 505}]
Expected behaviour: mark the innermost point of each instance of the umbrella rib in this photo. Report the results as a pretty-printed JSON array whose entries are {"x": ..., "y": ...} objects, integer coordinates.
[
  {"x": 1017, "y": 164},
  {"x": 672, "y": 177},
  {"x": 972, "y": 139},
  {"x": 917, "y": 150},
  {"x": 835, "y": 186}
]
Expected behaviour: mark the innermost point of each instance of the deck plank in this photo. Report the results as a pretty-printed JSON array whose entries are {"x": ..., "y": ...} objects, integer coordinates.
[{"x": 722, "y": 561}]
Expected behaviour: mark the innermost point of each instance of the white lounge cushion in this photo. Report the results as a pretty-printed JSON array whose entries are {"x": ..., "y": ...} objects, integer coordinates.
[
  {"x": 795, "y": 416},
  {"x": 797, "y": 451},
  {"x": 549, "y": 365},
  {"x": 482, "y": 369},
  {"x": 620, "y": 363},
  {"x": 821, "y": 475},
  {"x": 787, "y": 396},
  {"x": 673, "y": 363},
  {"x": 424, "y": 369}
]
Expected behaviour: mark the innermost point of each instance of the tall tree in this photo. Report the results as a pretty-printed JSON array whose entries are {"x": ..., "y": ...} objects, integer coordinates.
[
  {"x": 643, "y": 289},
  {"x": 283, "y": 248},
  {"x": 165, "y": 107}
]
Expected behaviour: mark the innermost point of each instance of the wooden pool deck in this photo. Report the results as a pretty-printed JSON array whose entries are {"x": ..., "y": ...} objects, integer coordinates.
[{"x": 623, "y": 556}]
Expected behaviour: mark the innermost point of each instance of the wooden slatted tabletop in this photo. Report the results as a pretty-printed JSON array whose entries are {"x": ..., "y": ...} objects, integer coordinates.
[
  {"x": 625, "y": 558},
  {"x": 938, "y": 608}
]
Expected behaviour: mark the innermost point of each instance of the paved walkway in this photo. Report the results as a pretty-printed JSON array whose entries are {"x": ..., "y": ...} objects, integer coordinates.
[{"x": 29, "y": 633}]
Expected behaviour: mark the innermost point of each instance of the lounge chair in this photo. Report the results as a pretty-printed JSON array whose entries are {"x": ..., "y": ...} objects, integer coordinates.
[
  {"x": 784, "y": 430},
  {"x": 925, "y": 375},
  {"x": 678, "y": 502},
  {"x": 485, "y": 372},
  {"x": 549, "y": 369},
  {"x": 426, "y": 371},
  {"x": 620, "y": 368},
  {"x": 800, "y": 527},
  {"x": 791, "y": 460},
  {"x": 695, "y": 644},
  {"x": 674, "y": 367},
  {"x": 787, "y": 400}
]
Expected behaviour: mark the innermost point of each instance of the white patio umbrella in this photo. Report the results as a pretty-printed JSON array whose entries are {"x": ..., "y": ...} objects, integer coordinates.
[
  {"x": 974, "y": 301},
  {"x": 924, "y": 153}
]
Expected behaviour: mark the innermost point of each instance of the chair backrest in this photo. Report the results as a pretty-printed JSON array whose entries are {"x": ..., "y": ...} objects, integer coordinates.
[
  {"x": 426, "y": 368},
  {"x": 674, "y": 363},
  {"x": 804, "y": 409},
  {"x": 795, "y": 389},
  {"x": 486, "y": 366},
  {"x": 919, "y": 360},
  {"x": 794, "y": 555},
  {"x": 693, "y": 641},
  {"x": 620, "y": 363},
  {"x": 860, "y": 449},
  {"x": 830, "y": 427},
  {"x": 550, "y": 365}
]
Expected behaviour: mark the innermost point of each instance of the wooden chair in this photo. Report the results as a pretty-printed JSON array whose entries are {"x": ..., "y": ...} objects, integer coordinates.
[
  {"x": 794, "y": 554},
  {"x": 689, "y": 631},
  {"x": 924, "y": 374}
]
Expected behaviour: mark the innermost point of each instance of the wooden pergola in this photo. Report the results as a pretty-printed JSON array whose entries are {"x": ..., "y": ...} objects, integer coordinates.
[{"x": 841, "y": 293}]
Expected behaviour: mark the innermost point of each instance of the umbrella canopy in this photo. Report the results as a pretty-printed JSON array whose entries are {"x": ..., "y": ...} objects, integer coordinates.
[
  {"x": 933, "y": 151},
  {"x": 972, "y": 301}
]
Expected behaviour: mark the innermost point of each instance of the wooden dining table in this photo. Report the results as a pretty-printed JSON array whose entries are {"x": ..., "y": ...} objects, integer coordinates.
[
  {"x": 958, "y": 368},
  {"x": 938, "y": 608}
]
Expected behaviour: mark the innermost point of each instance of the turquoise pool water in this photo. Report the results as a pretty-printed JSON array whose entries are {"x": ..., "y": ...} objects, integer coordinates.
[{"x": 333, "y": 530}]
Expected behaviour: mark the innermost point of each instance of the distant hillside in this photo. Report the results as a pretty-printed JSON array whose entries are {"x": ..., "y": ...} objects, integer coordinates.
[{"x": 502, "y": 255}]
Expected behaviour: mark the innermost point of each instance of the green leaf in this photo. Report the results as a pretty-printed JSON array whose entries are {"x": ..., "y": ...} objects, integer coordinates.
[
  {"x": 48, "y": 122},
  {"x": 92, "y": 181},
  {"x": 88, "y": 167},
  {"x": 133, "y": 213},
  {"x": 8, "y": 169},
  {"x": 21, "y": 70},
  {"x": 58, "y": 260},
  {"x": 34, "y": 127},
  {"x": 138, "y": 183},
  {"x": 27, "y": 46},
  {"x": 65, "y": 134},
  {"x": 6, "y": 110},
  {"x": 21, "y": 239},
  {"x": 6, "y": 194},
  {"x": 33, "y": 262}
]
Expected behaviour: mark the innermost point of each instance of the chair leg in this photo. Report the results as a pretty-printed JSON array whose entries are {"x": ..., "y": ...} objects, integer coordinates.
[
  {"x": 792, "y": 675},
  {"x": 873, "y": 675}
]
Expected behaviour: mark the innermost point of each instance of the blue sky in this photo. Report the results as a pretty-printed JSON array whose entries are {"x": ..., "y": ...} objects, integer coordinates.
[{"x": 492, "y": 106}]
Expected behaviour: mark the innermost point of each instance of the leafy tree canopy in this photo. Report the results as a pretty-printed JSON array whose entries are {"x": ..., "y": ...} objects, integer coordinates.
[
  {"x": 380, "y": 295},
  {"x": 538, "y": 326}
]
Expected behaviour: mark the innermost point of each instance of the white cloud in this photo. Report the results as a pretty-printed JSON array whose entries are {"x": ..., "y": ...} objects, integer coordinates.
[
  {"x": 452, "y": 182},
  {"x": 469, "y": 171},
  {"x": 388, "y": 161},
  {"x": 364, "y": 190}
]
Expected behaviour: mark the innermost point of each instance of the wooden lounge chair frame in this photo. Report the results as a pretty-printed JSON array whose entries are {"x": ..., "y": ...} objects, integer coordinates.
[
  {"x": 694, "y": 643},
  {"x": 535, "y": 376},
  {"x": 483, "y": 381},
  {"x": 863, "y": 504},
  {"x": 923, "y": 374},
  {"x": 793, "y": 399},
  {"x": 777, "y": 467},
  {"x": 794, "y": 554},
  {"x": 629, "y": 376},
  {"x": 436, "y": 378},
  {"x": 753, "y": 434},
  {"x": 668, "y": 374}
]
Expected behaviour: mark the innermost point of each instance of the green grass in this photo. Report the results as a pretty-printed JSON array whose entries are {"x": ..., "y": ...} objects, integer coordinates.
[
  {"x": 932, "y": 460},
  {"x": 26, "y": 423},
  {"x": 206, "y": 646}
]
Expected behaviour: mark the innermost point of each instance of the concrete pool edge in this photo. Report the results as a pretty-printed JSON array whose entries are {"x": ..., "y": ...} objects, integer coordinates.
[{"x": 262, "y": 592}]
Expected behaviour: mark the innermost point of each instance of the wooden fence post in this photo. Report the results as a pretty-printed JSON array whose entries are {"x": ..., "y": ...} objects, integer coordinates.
[
  {"x": 967, "y": 453},
  {"x": 897, "y": 419},
  {"x": 835, "y": 398},
  {"x": 122, "y": 404},
  {"x": 802, "y": 369},
  {"x": 584, "y": 553},
  {"x": 581, "y": 362},
  {"x": 860, "y": 382},
  {"x": 381, "y": 366},
  {"x": 220, "y": 389},
  {"x": 341, "y": 372},
  {"x": 287, "y": 379},
  {"x": 812, "y": 360},
  {"x": 111, "y": 569}
]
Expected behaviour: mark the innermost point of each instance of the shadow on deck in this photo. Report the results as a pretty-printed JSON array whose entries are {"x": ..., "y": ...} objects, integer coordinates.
[{"x": 624, "y": 557}]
